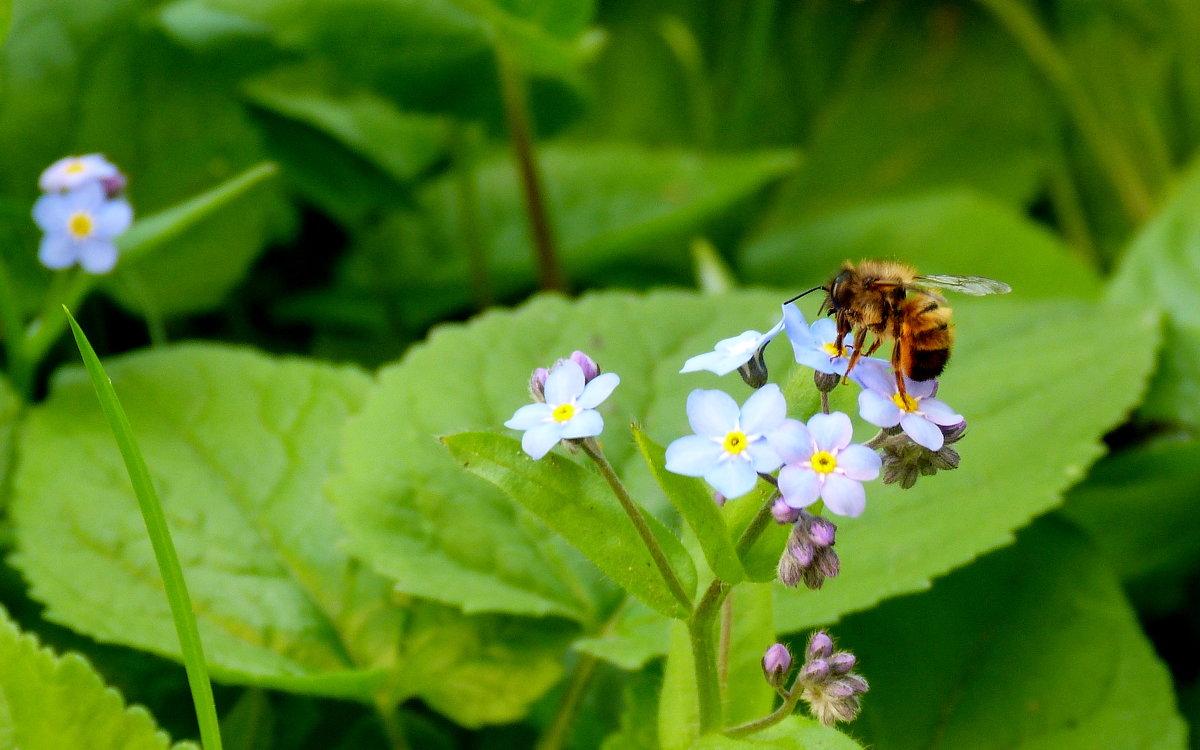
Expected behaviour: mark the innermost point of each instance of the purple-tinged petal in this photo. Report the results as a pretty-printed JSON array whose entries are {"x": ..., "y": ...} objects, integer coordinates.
[
  {"x": 538, "y": 441},
  {"x": 922, "y": 431},
  {"x": 693, "y": 455},
  {"x": 97, "y": 255},
  {"x": 764, "y": 411},
  {"x": 564, "y": 383},
  {"x": 763, "y": 457},
  {"x": 843, "y": 496},
  {"x": 791, "y": 441},
  {"x": 920, "y": 388},
  {"x": 878, "y": 409},
  {"x": 530, "y": 416},
  {"x": 859, "y": 462},
  {"x": 732, "y": 478},
  {"x": 587, "y": 423},
  {"x": 832, "y": 432},
  {"x": 800, "y": 487},
  {"x": 711, "y": 413},
  {"x": 939, "y": 412},
  {"x": 874, "y": 374},
  {"x": 57, "y": 252},
  {"x": 113, "y": 218},
  {"x": 597, "y": 390}
]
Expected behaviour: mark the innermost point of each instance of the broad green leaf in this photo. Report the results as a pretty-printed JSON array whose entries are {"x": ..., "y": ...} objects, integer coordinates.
[
  {"x": 639, "y": 730},
  {"x": 1159, "y": 270},
  {"x": 694, "y": 501},
  {"x": 613, "y": 207},
  {"x": 1038, "y": 394},
  {"x": 635, "y": 635},
  {"x": 795, "y": 733},
  {"x": 956, "y": 232},
  {"x": 49, "y": 702},
  {"x": 238, "y": 445},
  {"x": 1032, "y": 647},
  {"x": 580, "y": 506}
]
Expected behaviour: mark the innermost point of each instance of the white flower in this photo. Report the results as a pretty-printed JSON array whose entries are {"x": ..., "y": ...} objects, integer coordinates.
[{"x": 568, "y": 412}]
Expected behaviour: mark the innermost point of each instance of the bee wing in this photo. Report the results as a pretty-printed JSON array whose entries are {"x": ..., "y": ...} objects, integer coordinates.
[{"x": 974, "y": 285}]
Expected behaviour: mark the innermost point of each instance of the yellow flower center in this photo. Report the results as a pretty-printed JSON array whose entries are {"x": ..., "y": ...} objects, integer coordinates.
[
  {"x": 735, "y": 442},
  {"x": 832, "y": 349},
  {"x": 75, "y": 167},
  {"x": 823, "y": 462},
  {"x": 80, "y": 224},
  {"x": 905, "y": 402},
  {"x": 563, "y": 412}
]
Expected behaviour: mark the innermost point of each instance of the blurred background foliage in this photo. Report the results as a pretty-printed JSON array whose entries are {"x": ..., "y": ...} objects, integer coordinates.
[{"x": 1049, "y": 143}]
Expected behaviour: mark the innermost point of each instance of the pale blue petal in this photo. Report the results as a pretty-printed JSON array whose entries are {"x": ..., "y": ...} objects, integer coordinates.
[
  {"x": 939, "y": 412},
  {"x": 824, "y": 331},
  {"x": 97, "y": 255},
  {"x": 800, "y": 487},
  {"x": 763, "y": 457},
  {"x": 832, "y": 432},
  {"x": 843, "y": 496},
  {"x": 597, "y": 390},
  {"x": 538, "y": 441},
  {"x": 586, "y": 423},
  {"x": 922, "y": 431},
  {"x": 87, "y": 197},
  {"x": 711, "y": 413},
  {"x": 820, "y": 361},
  {"x": 564, "y": 383},
  {"x": 720, "y": 363},
  {"x": 50, "y": 213},
  {"x": 859, "y": 462},
  {"x": 878, "y": 409},
  {"x": 920, "y": 388},
  {"x": 693, "y": 456},
  {"x": 874, "y": 374},
  {"x": 792, "y": 441},
  {"x": 530, "y": 416},
  {"x": 732, "y": 478},
  {"x": 764, "y": 411},
  {"x": 113, "y": 218},
  {"x": 57, "y": 252}
]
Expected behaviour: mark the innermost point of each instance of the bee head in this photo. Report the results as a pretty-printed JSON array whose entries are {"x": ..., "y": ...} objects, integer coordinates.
[{"x": 840, "y": 294}]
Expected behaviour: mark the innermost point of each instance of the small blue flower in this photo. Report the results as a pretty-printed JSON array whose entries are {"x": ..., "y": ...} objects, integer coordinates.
[
  {"x": 75, "y": 171},
  {"x": 816, "y": 346},
  {"x": 569, "y": 409},
  {"x": 730, "y": 354},
  {"x": 80, "y": 227},
  {"x": 820, "y": 462},
  {"x": 730, "y": 447},
  {"x": 919, "y": 414}
]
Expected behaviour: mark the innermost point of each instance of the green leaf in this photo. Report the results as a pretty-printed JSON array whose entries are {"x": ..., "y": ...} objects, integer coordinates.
[
  {"x": 747, "y": 695},
  {"x": 639, "y": 709},
  {"x": 577, "y": 504},
  {"x": 1032, "y": 647},
  {"x": 955, "y": 231},
  {"x": 694, "y": 501},
  {"x": 49, "y": 702},
  {"x": 613, "y": 206},
  {"x": 1016, "y": 376},
  {"x": 678, "y": 702},
  {"x": 277, "y": 602},
  {"x": 762, "y": 559},
  {"x": 636, "y": 635},
  {"x": 794, "y": 733}
]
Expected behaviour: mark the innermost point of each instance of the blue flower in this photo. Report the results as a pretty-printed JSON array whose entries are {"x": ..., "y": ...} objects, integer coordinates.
[
  {"x": 816, "y": 346},
  {"x": 75, "y": 171},
  {"x": 569, "y": 409},
  {"x": 919, "y": 414},
  {"x": 820, "y": 463},
  {"x": 730, "y": 447},
  {"x": 80, "y": 227},
  {"x": 730, "y": 354}
]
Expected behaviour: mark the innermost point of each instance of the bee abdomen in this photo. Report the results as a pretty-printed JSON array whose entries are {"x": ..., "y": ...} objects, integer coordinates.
[{"x": 925, "y": 364}]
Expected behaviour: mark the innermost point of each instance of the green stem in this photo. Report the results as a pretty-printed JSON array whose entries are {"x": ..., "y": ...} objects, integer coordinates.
[
  {"x": 592, "y": 449},
  {"x": 556, "y": 736},
  {"x": 724, "y": 645},
  {"x": 160, "y": 540},
  {"x": 396, "y": 738},
  {"x": 790, "y": 699},
  {"x": 516, "y": 115},
  {"x": 1114, "y": 159}
]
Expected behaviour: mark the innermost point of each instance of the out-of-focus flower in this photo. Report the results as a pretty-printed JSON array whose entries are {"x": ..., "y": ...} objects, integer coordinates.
[
  {"x": 730, "y": 447},
  {"x": 80, "y": 226},
  {"x": 919, "y": 414},
  {"x": 73, "y": 172},
  {"x": 568, "y": 411},
  {"x": 821, "y": 463}
]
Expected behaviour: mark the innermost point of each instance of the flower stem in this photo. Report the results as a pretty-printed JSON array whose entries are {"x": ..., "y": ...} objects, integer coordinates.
[
  {"x": 592, "y": 449},
  {"x": 556, "y": 736},
  {"x": 724, "y": 644},
  {"x": 516, "y": 115},
  {"x": 790, "y": 698}
]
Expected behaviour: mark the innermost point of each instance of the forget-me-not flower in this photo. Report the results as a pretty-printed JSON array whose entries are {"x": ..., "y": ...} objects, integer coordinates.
[
  {"x": 72, "y": 172},
  {"x": 730, "y": 446},
  {"x": 918, "y": 413},
  {"x": 815, "y": 346},
  {"x": 569, "y": 410},
  {"x": 821, "y": 463},
  {"x": 80, "y": 226},
  {"x": 730, "y": 354}
]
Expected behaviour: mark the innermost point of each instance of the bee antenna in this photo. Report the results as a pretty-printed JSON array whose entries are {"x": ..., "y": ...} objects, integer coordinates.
[{"x": 801, "y": 294}]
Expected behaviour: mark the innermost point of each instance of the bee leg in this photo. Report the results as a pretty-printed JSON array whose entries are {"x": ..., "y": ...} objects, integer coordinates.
[
  {"x": 860, "y": 338},
  {"x": 897, "y": 359},
  {"x": 871, "y": 350}
]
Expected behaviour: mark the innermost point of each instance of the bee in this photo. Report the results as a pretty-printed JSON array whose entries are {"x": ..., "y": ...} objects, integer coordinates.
[{"x": 891, "y": 300}]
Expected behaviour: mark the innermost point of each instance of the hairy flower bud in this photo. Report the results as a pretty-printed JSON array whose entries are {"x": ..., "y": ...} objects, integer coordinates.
[
  {"x": 587, "y": 364},
  {"x": 784, "y": 513},
  {"x": 826, "y": 381},
  {"x": 537, "y": 384},
  {"x": 904, "y": 461},
  {"x": 832, "y": 691},
  {"x": 820, "y": 645},
  {"x": 809, "y": 556},
  {"x": 754, "y": 372},
  {"x": 776, "y": 664},
  {"x": 822, "y": 531},
  {"x": 842, "y": 662}
]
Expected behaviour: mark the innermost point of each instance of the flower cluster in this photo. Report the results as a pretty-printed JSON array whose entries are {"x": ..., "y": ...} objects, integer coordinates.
[
  {"x": 825, "y": 681},
  {"x": 81, "y": 213}
]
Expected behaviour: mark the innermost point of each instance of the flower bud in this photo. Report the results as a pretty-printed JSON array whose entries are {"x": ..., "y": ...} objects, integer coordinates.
[
  {"x": 784, "y": 513},
  {"x": 831, "y": 690},
  {"x": 776, "y": 663},
  {"x": 754, "y": 372},
  {"x": 814, "y": 671},
  {"x": 828, "y": 563},
  {"x": 587, "y": 364},
  {"x": 113, "y": 185},
  {"x": 537, "y": 384},
  {"x": 822, "y": 531},
  {"x": 790, "y": 570},
  {"x": 820, "y": 645},
  {"x": 803, "y": 552},
  {"x": 842, "y": 662},
  {"x": 826, "y": 381}
]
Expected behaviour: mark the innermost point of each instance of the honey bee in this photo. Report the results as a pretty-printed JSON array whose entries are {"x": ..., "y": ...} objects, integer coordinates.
[{"x": 891, "y": 300}]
